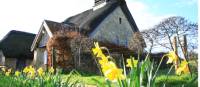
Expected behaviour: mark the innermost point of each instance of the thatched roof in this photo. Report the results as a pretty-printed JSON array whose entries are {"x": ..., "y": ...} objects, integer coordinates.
[
  {"x": 55, "y": 26},
  {"x": 90, "y": 19},
  {"x": 16, "y": 44}
]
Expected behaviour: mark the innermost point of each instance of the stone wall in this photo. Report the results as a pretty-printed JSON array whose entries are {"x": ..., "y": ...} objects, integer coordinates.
[
  {"x": 114, "y": 29},
  {"x": 2, "y": 59},
  {"x": 29, "y": 62},
  {"x": 38, "y": 60}
]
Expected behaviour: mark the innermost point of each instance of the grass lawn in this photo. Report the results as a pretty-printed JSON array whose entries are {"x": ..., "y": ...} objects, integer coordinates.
[
  {"x": 177, "y": 81},
  {"x": 171, "y": 81},
  {"x": 92, "y": 80}
]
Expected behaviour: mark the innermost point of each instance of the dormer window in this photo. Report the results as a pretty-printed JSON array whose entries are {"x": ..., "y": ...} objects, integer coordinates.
[{"x": 43, "y": 31}]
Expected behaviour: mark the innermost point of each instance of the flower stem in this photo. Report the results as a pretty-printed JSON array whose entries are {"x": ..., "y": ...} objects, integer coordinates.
[
  {"x": 168, "y": 74},
  {"x": 158, "y": 66}
]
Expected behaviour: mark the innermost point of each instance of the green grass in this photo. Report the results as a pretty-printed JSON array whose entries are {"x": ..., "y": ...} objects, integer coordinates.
[
  {"x": 171, "y": 81},
  {"x": 177, "y": 81},
  {"x": 85, "y": 79},
  {"x": 6, "y": 81},
  {"x": 89, "y": 78}
]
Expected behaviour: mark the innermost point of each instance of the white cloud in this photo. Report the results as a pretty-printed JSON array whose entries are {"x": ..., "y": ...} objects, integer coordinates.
[{"x": 143, "y": 16}]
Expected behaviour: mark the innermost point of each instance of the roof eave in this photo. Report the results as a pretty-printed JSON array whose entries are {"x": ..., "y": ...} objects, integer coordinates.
[
  {"x": 43, "y": 26},
  {"x": 36, "y": 38}
]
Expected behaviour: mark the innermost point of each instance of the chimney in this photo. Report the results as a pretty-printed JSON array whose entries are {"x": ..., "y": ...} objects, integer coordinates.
[
  {"x": 101, "y": 3},
  {"x": 98, "y": 2}
]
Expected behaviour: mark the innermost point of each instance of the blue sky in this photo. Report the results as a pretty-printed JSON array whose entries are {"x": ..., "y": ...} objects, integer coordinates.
[
  {"x": 185, "y": 8},
  {"x": 27, "y": 15}
]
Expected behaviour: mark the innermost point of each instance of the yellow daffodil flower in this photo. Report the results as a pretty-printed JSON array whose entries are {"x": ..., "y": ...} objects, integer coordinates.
[
  {"x": 172, "y": 57},
  {"x": 40, "y": 72},
  {"x": 51, "y": 70},
  {"x": 183, "y": 68},
  {"x": 114, "y": 74},
  {"x": 30, "y": 71},
  {"x": 130, "y": 61},
  {"x": 97, "y": 49},
  {"x": 104, "y": 60},
  {"x": 8, "y": 72},
  {"x": 3, "y": 69},
  {"x": 100, "y": 55},
  {"x": 17, "y": 73},
  {"x": 26, "y": 69},
  {"x": 107, "y": 66}
]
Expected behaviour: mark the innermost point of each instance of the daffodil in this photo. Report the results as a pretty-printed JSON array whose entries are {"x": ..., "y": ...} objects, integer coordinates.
[
  {"x": 51, "y": 70},
  {"x": 8, "y": 72},
  {"x": 100, "y": 54},
  {"x": 29, "y": 71},
  {"x": 17, "y": 73},
  {"x": 113, "y": 74},
  {"x": 183, "y": 68},
  {"x": 40, "y": 72},
  {"x": 3, "y": 69},
  {"x": 97, "y": 49},
  {"x": 172, "y": 57},
  {"x": 103, "y": 60},
  {"x": 107, "y": 66},
  {"x": 26, "y": 69},
  {"x": 130, "y": 61}
]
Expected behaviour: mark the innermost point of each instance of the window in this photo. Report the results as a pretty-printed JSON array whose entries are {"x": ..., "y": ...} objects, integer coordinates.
[
  {"x": 120, "y": 20},
  {"x": 45, "y": 57}
]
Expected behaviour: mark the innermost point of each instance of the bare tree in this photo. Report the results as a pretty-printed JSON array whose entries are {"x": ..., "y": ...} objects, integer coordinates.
[
  {"x": 151, "y": 36},
  {"x": 162, "y": 33}
]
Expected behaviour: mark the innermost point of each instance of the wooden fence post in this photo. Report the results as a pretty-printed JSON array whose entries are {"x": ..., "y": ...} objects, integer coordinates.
[
  {"x": 79, "y": 57},
  {"x": 175, "y": 50},
  {"x": 185, "y": 47},
  {"x": 185, "y": 52}
]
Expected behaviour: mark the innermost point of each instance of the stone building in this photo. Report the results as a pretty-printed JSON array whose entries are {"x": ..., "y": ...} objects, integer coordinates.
[{"x": 108, "y": 21}]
